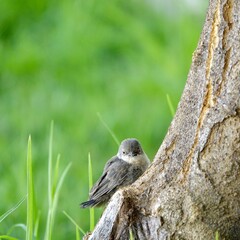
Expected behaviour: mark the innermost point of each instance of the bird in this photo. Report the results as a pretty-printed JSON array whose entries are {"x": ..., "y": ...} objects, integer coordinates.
[{"x": 121, "y": 170}]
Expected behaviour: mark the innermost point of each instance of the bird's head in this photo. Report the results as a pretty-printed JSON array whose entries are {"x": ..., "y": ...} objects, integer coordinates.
[{"x": 129, "y": 148}]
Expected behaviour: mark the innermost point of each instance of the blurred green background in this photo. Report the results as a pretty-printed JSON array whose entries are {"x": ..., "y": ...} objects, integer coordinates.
[{"x": 68, "y": 60}]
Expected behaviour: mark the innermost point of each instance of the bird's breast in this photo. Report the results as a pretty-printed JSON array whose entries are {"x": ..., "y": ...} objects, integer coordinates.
[{"x": 140, "y": 161}]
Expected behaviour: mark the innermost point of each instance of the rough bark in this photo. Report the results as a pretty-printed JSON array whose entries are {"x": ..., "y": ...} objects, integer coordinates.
[{"x": 192, "y": 189}]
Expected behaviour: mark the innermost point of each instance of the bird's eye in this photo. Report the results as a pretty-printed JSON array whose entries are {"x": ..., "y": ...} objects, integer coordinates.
[{"x": 124, "y": 152}]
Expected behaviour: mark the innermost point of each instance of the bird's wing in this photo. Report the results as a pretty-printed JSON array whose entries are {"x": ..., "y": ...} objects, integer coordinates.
[{"x": 114, "y": 174}]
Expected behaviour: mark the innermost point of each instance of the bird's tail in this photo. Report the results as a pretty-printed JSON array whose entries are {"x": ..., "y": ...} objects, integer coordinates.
[{"x": 90, "y": 203}]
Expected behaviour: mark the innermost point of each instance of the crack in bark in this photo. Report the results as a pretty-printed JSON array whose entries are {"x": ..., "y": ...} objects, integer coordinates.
[
  {"x": 224, "y": 72},
  {"x": 227, "y": 15},
  {"x": 213, "y": 43},
  {"x": 208, "y": 101},
  {"x": 205, "y": 108}
]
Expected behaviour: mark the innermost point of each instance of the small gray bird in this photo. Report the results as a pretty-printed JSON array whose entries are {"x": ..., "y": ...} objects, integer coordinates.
[{"x": 121, "y": 170}]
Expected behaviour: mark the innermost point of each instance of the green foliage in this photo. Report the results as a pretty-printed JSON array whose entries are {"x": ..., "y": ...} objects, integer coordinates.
[
  {"x": 74, "y": 222},
  {"x": 10, "y": 211},
  {"x": 110, "y": 131},
  {"x": 170, "y": 105},
  {"x": 30, "y": 193},
  {"x": 53, "y": 189},
  {"x": 90, "y": 180},
  {"x": 31, "y": 227},
  {"x": 68, "y": 61},
  {"x": 131, "y": 235},
  {"x": 7, "y": 237},
  {"x": 77, "y": 234}
]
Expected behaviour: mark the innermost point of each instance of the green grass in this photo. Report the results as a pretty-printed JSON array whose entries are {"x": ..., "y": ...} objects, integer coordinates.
[
  {"x": 53, "y": 189},
  {"x": 108, "y": 129},
  {"x": 77, "y": 234},
  {"x": 90, "y": 180},
  {"x": 91, "y": 210},
  {"x": 131, "y": 235},
  {"x": 170, "y": 105},
  {"x": 7, "y": 237},
  {"x": 10, "y": 211},
  {"x": 78, "y": 228},
  {"x": 32, "y": 222},
  {"x": 68, "y": 62},
  {"x": 30, "y": 193}
]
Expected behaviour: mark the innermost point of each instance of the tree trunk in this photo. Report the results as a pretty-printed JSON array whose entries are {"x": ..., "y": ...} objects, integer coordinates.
[{"x": 192, "y": 189}]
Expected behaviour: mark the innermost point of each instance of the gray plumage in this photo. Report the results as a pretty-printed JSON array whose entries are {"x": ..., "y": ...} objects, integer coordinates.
[{"x": 121, "y": 170}]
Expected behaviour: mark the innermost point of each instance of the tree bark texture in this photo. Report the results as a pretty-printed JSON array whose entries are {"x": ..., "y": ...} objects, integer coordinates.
[{"x": 192, "y": 188}]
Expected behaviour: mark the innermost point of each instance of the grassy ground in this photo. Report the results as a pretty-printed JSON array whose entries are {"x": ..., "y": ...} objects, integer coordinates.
[{"x": 67, "y": 61}]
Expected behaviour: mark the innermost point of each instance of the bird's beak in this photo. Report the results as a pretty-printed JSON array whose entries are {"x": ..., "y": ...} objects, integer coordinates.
[{"x": 134, "y": 154}]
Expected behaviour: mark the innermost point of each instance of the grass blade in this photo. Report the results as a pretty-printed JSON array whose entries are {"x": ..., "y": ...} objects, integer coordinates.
[
  {"x": 170, "y": 105},
  {"x": 7, "y": 237},
  {"x": 53, "y": 188},
  {"x": 109, "y": 130},
  {"x": 6, "y": 214},
  {"x": 47, "y": 233},
  {"x": 90, "y": 180},
  {"x": 30, "y": 203},
  {"x": 77, "y": 234},
  {"x": 74, "y": 222},
  {"x": 18, "y": 225},
  {"x": 131, "y": 235},
  {"x": 50, "y": 165},
  {"x": 56, "y": 195},
  {"x": 56, "y": 173},
  {"x": 36, "y": 225},
  {"x": 49, "y": 215},
  {"x": 217, "y": 235},
  {"x": 53, "y": 207}
]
